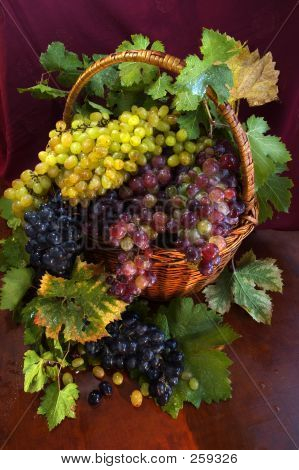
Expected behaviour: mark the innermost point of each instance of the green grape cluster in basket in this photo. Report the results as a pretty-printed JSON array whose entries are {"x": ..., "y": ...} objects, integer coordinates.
[{"x": 98, "y": 154}]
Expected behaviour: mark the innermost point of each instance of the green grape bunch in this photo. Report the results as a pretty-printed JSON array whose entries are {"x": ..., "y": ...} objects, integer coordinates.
[{"x": 98, "y": 153}]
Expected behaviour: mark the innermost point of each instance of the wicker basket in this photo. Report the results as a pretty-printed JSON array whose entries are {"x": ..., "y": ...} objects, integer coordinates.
[{"x": 175, "y": 277}]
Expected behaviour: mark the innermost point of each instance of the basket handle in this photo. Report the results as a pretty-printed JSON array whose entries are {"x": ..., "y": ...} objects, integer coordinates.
[{"x": 174, "y": 65}]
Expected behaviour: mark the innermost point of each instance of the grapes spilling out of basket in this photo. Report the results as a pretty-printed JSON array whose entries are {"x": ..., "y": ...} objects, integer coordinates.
[
  {"x": 135, "y": 183},
  {"x": 134, "y": 345}
]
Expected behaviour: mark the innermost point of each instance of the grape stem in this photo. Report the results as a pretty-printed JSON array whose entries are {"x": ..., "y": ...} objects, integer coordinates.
[
  {"x": 61, "y": 364},
  {"x": 211, "y": 121}
]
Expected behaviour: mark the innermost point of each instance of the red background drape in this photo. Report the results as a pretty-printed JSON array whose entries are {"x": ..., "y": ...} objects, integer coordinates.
[{"x": 89, "y": 26}]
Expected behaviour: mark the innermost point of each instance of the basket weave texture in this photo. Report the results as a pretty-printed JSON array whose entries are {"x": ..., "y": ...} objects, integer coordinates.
[{"x": 175, "y": 277}]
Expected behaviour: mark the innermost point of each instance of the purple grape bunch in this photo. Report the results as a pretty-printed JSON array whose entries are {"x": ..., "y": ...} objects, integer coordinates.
[{"x": 135, "y": 345}]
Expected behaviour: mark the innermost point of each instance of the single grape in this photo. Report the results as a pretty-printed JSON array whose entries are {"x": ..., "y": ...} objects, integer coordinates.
[
  {"x": 105, "y": 388},
  {"x": 136, "y": 398},
  {"x": 94, "y": 398},
  {"x": 209, "y": 251},
  {"x": 117, "y": 378}
]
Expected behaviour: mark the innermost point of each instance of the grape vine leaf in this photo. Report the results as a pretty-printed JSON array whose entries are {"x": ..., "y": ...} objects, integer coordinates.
[
  {"x": 33, "y": 335},
  {"x": 268, "y": 151},
  {"x": 58, "y": 404},
  {"x": 67, "y": 78},
  {"x": 16, "y": 282},
  {"x": 191, "y": 120},
  {"x": 13, "y": 253},
  {"x": 35, "y": 375},
  {"x": 198, "y": 331},
  {"x": 136, "y": 72},
  {"x": 217, "y": 47},
  {"x": 140, "y": 306},
  {"x": 247, "y": 286},
  {"x": 98, "y": 107},
  {"x": 274, "y": 193},
  {"x": 69, "y": 67},
  {"x": 219, "y": 295},
  {"x": 185, "y": 101},
  {"x": 57, "y": 58},
  {"x": 138, "y": 41},
  {"x": 107, "y": 78},
  {"x": 158, "y": 46},
  {"x": 160, "y": 87},
  {"x": 123, "y": 99},
  {"x": 254, "y": 77},
  {"x": 80, "y": 307},
  {"x": 192, "y": 83},
  {"x": 7, "y": 214},
  {"x": 43, "y": 91}
]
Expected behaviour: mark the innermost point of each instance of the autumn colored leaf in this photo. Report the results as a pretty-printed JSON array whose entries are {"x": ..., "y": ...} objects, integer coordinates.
[
  {"x": 255, "y": 78},
  {"x": 80, "y": 307}
]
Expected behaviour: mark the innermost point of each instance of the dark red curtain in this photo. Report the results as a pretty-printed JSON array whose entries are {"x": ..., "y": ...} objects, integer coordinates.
[{"x": 27, "y": 26}]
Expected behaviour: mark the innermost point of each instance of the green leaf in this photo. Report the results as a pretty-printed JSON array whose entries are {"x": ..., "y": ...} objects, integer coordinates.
[
  {"x": 124, "y": 99},
  {"x": 274, "y": 193},
  {"x": 217, "y": 335},
  {"x": 217, "y": 47},
  {"x": 192, "y": 71},
  {"x": 160, "y": 87},
  {"x": 187, "y": 319},
  {"x": 99, "y": 107},
  {"x": 194, "y": 79},
  {"x": 137, "y": 72},
  {"x": 220, "y": 79},
  {"x": 68, "y": 78},
  {"x": 58, "y": 404},
  {"x": 181, "y": 394},
  {"x": 198, "y": 331},
  {"x": 44, "y": 92},
  {"x": 255, "y": 301},
  {"x": 7, "y": 213},
  {"x": 162, "y": 323},
  {"x": 186, "y": 101},
  {"x": 57, "y": 58},
  {"x": 158, "y": 46},
  {"x": 102, "y": 80},
  {"x": 13, "y": 253},
  {"x": 191, "y": 120},
  {"x": 80, "y": 307},
  {"x": 257, "y": 125},
  {"x": 5, "y": 208},
  {"x": 86, "y": 61},
  {"x": 16, "y": 282},
  {"x": 263, "y": 272},
  {"x": 32, "y": 335},
  {"x": 268, "y": 151},
  {"x": 138, "y": 41},
  {"x": 210, "y": 368},
  {"x": 246, "y": 286},
  {"x": 218, "y": 295},
  {"x": 35, "y": 375},
  {"x": 141, "y": 307}
]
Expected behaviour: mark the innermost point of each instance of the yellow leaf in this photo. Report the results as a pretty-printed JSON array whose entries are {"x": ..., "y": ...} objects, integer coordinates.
[
  {"x": 79, "y": 307},
  {"x": 45, "y": 283},
  {"x": 255, "y": 77}
]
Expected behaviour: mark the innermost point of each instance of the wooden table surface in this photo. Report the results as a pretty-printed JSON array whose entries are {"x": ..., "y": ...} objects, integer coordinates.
[{"x": 263, "y": 413}]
